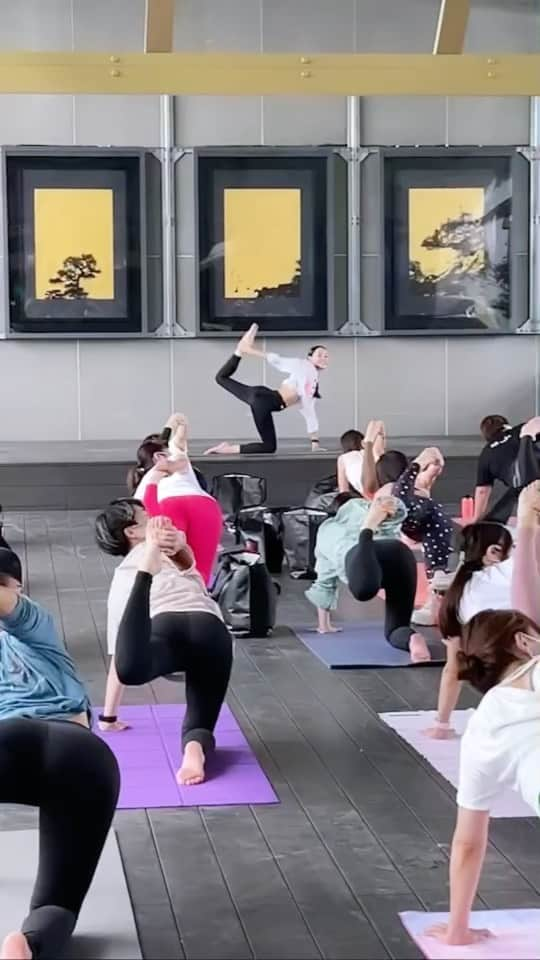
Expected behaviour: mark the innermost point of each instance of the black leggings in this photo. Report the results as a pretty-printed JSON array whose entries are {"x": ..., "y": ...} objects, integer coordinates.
[
  {"x": 72, "y": 776},
  {"x": 197, "y": 644},
  {"x": 263, "y": 402},
  {"x": 387, "y": 565}
]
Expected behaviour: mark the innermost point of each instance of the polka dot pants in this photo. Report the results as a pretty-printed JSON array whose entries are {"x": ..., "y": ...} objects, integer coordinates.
[{"x": 427, "y": 523}]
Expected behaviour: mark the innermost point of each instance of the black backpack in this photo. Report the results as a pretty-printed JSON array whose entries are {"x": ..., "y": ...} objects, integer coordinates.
[
  {"x": 246, "y": 594},
  {"x": 300, "y": 529},
  {"x": 323, "y": 493},
  {"x": 260, "y": 528}
]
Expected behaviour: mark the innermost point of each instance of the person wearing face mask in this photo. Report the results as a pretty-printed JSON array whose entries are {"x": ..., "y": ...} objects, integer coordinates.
[
  {"x": 482, "y": 582},
  {"x": 499, "y": 655},
  {"x": 300, "y": 388}
]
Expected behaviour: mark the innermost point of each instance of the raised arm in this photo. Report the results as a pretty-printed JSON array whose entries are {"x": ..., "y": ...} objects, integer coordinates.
[
  {"x": 27, "y": 620},
  {"x": 370, "y": 483},
  {"x": 526, "y": 570}
]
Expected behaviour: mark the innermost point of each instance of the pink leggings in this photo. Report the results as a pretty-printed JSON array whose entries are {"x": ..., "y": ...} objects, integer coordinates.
[{"x": 201, "y": 520}]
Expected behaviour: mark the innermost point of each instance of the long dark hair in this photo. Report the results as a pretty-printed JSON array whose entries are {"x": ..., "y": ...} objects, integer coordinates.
[
  {"x": 487, "y": 646},
  {"x": 476, "y": 539},
  {"x": 145, "y": 460}
]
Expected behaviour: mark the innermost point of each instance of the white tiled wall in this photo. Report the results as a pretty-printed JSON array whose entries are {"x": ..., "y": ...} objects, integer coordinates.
[{"x": 107, "y": 390}]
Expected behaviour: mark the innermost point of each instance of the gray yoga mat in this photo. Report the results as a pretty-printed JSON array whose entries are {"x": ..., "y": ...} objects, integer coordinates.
[
  {"x": 364, "y": 645},
  {"x": 106, "y": 928}
]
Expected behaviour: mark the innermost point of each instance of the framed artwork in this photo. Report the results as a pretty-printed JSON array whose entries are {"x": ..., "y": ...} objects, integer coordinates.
[
  {"x": 264, "y": 243},
  {"x": 456, "y": 241},
  {"x": 75, "y": 243}
]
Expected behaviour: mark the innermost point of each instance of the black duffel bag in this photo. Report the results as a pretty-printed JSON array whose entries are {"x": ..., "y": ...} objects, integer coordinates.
[
  {"x": 246, "y": 594},
  {"x": 300, "y": 529},
  {"x": 261, "y": 527},
  {"x": 322, "y": 494},
  {"x": 235, "y": 491}
]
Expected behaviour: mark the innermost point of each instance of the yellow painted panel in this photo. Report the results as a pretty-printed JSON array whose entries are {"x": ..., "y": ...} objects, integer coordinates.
[
  {"x": 262, "y": 233},
  {"x": 74, "y": 223},
  {"x": 445, "y": 229}
]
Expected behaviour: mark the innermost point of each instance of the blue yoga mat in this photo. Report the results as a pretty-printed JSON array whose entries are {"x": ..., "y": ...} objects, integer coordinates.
[{"x": 364, "y": 645}]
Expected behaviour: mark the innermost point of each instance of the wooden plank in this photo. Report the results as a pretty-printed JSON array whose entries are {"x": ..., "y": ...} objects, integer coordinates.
[
  {"x": 156, "y": 925},
  {"x": 207, "y": 917},
  {"x": 256, "y": 882},
  {"x": 159, "y": 26},
  {"x": 451, "y": 26},
  {"x": 231, "y": 74}
]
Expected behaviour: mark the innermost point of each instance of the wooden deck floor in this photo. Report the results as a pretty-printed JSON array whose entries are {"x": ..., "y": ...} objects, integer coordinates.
[{"x": 363, "y": 826}]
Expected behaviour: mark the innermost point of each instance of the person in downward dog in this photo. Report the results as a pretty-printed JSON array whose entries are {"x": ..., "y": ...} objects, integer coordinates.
[
  {"x": 360, "y": 547},
  {"x": 300, "y": 388},
  {"x": 162, "y": 621},
  {"x": 499, "y": 655}
]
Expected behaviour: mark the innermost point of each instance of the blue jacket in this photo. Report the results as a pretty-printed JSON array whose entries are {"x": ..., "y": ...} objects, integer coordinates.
[
  {"x": 37, "y": 676},
  {"x": 335, "y": 537}
]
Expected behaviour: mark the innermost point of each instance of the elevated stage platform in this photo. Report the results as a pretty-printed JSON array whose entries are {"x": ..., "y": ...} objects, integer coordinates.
[{"x": 85, "y": 475}]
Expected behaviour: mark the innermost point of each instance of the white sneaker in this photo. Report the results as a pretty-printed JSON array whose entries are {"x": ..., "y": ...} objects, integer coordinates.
[
  {"x": 426, "y": 616},
  {"x": 442, "y": 581}
]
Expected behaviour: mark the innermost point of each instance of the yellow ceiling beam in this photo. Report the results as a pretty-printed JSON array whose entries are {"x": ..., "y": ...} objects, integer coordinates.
[
  {"x": 452, "y": 26},
  {"x": 159, "y": 26},
  {"x": 258, "y": 74}
]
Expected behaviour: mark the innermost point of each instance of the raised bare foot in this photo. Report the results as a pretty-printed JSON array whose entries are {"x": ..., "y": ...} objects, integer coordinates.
[
  {"x": 192, "y": 770},
  {"x": 222, "y": 448},
  {"x": 180, "y": 432},
  {"x": 15, "y": 947},
  {"x": 117, "y": 727},
  {"x": 245, "y": 344},
  {"x": 419, "y": 649}
]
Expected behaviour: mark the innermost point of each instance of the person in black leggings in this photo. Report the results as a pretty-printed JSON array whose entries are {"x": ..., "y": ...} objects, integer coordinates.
[
  {"x": 263, "y": 402},
  {"x": 387, "y": 565},
  {"x": 50, "y": 759},
  {"x": 193, "y": 642},
  {"x": 73, "y": 778},
  {"x": 300, "y": 388}
]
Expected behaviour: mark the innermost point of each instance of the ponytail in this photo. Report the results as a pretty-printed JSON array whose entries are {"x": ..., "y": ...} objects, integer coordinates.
[
  {"x": 449, "y": 622},
  {"x": 476, "y": 540},
  {"x": 134, "y": 477}
]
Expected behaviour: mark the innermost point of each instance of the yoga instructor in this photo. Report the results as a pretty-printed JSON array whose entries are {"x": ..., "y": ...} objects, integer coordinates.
[{"x": 300, "y": 388}]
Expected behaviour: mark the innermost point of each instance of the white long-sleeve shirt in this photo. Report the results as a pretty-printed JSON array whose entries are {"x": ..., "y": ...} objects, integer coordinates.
[{"x": 303, "y": 378}]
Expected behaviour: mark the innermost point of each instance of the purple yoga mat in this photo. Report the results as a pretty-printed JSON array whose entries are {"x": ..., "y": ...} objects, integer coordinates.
[{"x": 149, "y": 756}]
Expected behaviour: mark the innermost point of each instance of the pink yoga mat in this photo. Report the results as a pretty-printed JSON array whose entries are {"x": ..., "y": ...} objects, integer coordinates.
[
  {"x": 516, "y": 935},
  {"x": 443, "y": 755},
  {"x": 149, "y": 756}
]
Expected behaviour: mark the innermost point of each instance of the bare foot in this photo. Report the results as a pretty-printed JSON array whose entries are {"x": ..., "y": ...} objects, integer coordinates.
[
  {"x": 222, "y": 448},
  {"x": 245, "y": 344},
  {"x": 15, "y": 947},
  {"x": 179, "y": 433},
  {"x": 117, "y": 727},
  {"x": 329, "y": 629},
  {"x": 192, "y": 769},
  {"x": 419, "y": 649}
]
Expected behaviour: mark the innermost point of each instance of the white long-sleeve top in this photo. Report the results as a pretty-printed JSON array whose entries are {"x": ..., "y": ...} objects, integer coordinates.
[{"x": 303, "y": 378}]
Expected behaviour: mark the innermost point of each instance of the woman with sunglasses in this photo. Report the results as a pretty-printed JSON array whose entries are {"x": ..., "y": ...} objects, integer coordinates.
[{"x": 499, "y": 656}]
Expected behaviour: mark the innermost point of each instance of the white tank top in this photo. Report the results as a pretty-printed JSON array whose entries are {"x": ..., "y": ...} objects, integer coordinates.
[{"x": 353, "y": 462}]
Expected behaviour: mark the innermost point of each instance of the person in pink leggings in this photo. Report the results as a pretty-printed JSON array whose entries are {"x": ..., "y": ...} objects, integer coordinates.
[{"x": 165, "y": 481}]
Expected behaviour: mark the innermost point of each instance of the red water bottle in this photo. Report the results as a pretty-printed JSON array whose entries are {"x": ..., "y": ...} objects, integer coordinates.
[{"x": 467, "y": 509}]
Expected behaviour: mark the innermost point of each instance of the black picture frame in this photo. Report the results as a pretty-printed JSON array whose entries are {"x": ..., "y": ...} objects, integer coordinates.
[
  {"x": 485, "y": 291},
  {"x": 123, "y": 314},
  {"x": 302, "y": 307}
]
